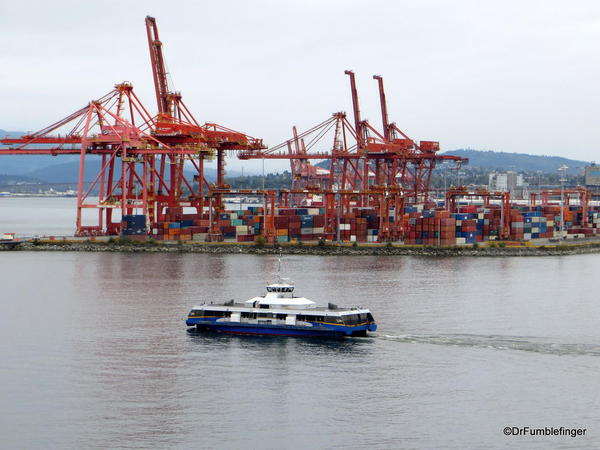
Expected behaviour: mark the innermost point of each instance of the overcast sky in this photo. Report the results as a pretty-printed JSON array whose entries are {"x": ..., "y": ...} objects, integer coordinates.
[{"x": 515, "y": 76}]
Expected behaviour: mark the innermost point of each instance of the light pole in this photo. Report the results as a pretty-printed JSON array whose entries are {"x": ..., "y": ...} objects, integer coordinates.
[{"x": 562, "y": 170}]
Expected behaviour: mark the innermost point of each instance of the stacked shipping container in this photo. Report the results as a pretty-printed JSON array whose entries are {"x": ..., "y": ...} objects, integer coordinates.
[{"x": 469, "y": 225}]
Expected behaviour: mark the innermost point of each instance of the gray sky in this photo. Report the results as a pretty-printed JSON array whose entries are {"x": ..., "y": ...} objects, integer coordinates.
[{"x": 514, "y": 76}]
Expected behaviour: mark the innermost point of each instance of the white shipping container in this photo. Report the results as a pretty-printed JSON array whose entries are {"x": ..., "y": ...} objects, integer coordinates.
[
  {"x": 313, "y": 211},
  {"x": 461, "y": 240},
  {"x": 526, "y": 236},
  {"x": 306, "y": 231},
  {"x": 352, "y": 238}
]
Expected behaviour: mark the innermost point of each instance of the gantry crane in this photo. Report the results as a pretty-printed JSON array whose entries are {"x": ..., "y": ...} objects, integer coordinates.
[
  {"x": 360, "y": 156},
  {"x": 143, "y": 157}
]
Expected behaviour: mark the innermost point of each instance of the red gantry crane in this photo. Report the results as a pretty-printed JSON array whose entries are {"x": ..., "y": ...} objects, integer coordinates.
[
  {"x": 143, "y": 157},
  {"x": 360, "y": 157}
]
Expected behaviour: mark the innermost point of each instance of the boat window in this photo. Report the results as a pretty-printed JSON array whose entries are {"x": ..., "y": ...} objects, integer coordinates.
[
  {"x": 281, "y": 316},
  {"x": 311, "y": 318},
  {"x": 351, "y": 319},
  {"x": 264, "y": 306},
  {"x": 216, "y": 313},
  {"x": 369, "y": 317}
]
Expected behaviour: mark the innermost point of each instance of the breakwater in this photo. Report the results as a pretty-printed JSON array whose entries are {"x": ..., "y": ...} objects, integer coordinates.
[{"x": 310, "y": 249}]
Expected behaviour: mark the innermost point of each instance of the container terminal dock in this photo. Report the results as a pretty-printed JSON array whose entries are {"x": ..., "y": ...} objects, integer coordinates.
[{"x": 375, "y": 188}]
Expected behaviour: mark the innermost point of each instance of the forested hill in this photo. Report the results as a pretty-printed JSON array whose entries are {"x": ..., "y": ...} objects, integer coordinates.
[{"x": 518, "y": 162}]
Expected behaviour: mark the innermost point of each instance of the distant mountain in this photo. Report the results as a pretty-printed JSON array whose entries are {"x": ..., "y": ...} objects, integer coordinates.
[
  {"x": 65, "y": 168},
  {"x": 9, "y": 180},
  {"x": 518, "y": 162},
  {"x": 4, "y": 133},
  {"x": 21, "y": 164},
  {"x": 69, "y": 172},
  {"x": 24, "y": 164}
]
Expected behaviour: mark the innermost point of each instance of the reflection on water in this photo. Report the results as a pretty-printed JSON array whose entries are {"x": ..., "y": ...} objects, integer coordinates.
[
  {"x": 208, "y": 340},
  {"x": 95, "y": 353}
]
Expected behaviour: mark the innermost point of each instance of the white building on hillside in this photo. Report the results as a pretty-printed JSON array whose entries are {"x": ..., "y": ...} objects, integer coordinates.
[{"x": 506, "y": 182}]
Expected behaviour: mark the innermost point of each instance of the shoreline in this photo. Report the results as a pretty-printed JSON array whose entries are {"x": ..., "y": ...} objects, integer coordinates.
[{"x": 307, "y": 248}]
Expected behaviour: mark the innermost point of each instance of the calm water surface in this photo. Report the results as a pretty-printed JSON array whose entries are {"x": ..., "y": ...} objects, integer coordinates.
[{"x": 95, "y": 353}]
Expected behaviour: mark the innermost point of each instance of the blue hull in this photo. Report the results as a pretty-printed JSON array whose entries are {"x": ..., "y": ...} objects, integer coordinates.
[
  {"x": 279, "y": 330},
  {"x": 273, "y": 331}
]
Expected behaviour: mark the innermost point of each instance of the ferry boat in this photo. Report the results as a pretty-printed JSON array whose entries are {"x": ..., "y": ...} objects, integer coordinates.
[{"x": 279, "y": 312}]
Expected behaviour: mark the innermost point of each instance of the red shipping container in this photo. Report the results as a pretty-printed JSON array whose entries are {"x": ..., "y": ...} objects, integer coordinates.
[{"x": 281, "y": 222}]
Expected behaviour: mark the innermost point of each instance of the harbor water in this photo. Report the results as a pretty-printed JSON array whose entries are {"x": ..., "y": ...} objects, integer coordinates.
[{"x": 95, "y": 353}]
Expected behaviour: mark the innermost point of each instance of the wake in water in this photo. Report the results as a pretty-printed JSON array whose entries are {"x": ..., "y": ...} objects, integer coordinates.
[{"x": 496, "y": 342}]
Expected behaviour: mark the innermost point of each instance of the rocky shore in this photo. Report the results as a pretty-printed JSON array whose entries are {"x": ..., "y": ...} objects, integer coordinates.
[{"x": 309, "y": 249}]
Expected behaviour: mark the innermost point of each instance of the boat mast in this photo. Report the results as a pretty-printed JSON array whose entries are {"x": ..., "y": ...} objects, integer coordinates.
[{"x": 279, "y": 266}]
